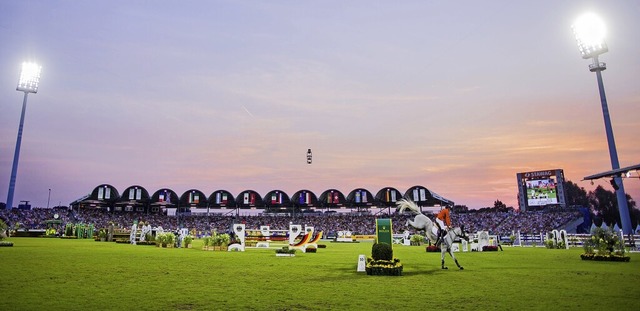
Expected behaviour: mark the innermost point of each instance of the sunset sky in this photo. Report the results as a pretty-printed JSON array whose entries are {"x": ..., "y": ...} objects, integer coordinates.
[{"x": 456, "y": 96}]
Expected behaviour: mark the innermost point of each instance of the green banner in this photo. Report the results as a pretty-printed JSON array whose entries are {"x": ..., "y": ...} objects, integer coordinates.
[{"x": 384, "y": 234}]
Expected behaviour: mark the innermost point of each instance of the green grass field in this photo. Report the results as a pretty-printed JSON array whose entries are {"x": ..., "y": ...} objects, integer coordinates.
[{"x": 56, "y": 274}]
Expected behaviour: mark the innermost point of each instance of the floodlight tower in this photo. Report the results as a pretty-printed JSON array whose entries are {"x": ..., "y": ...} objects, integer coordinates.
[
  {"x": 28, "y": 83},
  {"x": 589, "y": 31}
]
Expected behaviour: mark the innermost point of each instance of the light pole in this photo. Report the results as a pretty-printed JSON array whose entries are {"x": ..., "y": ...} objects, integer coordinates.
[
  {"x": 590, "y": 31},
  {"x": 28, "y": 83}
]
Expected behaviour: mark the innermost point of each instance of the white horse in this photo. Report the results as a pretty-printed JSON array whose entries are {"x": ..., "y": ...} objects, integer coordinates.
[
  {"x": 447, "y": 242},
  {"x": 421, "y": 221}
]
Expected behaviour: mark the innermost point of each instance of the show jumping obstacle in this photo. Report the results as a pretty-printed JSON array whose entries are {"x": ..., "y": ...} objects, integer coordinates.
[{"x": 265, "y": 237}]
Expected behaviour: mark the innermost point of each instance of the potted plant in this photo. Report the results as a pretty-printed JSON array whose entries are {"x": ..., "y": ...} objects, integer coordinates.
[
  {"x": 207, "y": 242},
  {"x": 417, "y": 240},
  {"x": 162, "y": 239},
  {"x": 3, "y": 234},
  {"x": 285, "y": 251},
  {"x": 170, "y": 239},
  {"x": 219, "y": 241},
  {"x": 187, "y": 241},
  {"x": 102, "y": 234}
]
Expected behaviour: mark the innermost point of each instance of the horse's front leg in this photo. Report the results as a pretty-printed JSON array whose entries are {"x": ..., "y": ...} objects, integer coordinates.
[{"x": 409, "y": 223}]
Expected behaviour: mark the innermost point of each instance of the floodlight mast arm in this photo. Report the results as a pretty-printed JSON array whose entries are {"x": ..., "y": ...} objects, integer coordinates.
[
  {"x": 28, "y": 83},
  {"x": 621, "y": 196},
  {"x": 598, "y": 67},
  {"x": 16, "y": 155}
]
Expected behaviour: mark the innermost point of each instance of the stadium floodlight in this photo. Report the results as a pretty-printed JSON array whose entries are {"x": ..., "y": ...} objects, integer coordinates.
[
  {"x": 28, "y": 83},
  {"x": 589, "y": 31},
  {"x": 29, "y": 78}
]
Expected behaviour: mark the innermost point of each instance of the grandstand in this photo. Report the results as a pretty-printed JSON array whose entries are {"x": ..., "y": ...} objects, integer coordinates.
[{"x": 496, "y": 223}]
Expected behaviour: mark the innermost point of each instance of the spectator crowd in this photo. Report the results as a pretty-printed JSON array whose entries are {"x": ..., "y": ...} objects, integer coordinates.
[{"x": 500, "y": 223}]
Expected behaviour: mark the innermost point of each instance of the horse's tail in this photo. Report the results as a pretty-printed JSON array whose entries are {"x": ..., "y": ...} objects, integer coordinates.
[{"x": 408, "y": 204}]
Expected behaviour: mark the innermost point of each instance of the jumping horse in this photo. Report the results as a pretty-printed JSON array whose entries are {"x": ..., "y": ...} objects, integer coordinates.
[{"x": 422, "y": 222}]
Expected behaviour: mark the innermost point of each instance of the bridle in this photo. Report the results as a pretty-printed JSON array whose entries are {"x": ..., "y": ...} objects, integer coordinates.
[{"x": 460, "y": 235}]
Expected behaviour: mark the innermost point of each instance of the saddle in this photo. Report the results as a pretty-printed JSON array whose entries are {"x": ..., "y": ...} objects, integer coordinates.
[{"x": 442, "y": 232}]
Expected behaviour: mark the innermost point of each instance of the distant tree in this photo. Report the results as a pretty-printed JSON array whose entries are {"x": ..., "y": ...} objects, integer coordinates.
[
  {"x": 604, "y": 203},
  {"x": 498, "y": 205},
  {"x": 575, "y": 194}
]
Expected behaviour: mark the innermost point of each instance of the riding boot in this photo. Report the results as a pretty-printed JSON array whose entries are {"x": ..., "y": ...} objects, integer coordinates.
[{"x": 441, "y": 235}]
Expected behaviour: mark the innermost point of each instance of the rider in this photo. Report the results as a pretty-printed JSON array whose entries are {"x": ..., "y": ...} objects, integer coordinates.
[{"x": 443, "y": 220}]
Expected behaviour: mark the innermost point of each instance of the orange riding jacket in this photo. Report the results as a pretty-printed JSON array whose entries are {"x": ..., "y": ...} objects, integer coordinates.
[{"x": 444, "y": 216}]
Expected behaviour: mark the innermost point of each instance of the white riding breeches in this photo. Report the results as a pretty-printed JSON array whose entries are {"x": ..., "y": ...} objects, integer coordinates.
[{"x": 441, "y": 224}]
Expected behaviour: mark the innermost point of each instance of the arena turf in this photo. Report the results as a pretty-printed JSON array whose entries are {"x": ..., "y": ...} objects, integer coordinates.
[{"x": 56, "y": 274}]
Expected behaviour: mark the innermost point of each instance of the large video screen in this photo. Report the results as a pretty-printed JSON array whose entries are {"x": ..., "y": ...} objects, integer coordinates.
[{"x": 541, "y": 188}]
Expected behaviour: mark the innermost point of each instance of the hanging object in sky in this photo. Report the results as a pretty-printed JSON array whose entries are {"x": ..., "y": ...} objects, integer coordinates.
[{"x": 309, "y": 156}]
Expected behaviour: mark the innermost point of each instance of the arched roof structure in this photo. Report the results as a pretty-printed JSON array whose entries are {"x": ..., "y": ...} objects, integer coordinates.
[
  {"x": 222, "y": 199},
  {"x": 164, "y": 198},
  {"x": 304, "y": 198},
  {"x": 332, "y": 198},
  {"x": 249, "y": 199},
  {"x": 277, "y": 199},
  {"x": 107, "y": 196},
  {"x": 193, "y": 198},
  {"x": 425, "y": 197},
  {"x": 102, "y": 196},
  {"x": 388, "y": 196},
  {"x": 134, "y": 198},
  {"x": 360, "y": 197}
]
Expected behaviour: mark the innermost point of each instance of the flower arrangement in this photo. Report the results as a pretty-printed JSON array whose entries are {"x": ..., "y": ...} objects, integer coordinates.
[
  {"x": 489, "y": 248},
  {"x": 50, "y": 232},
  {"x": 604, "y": 245},
  {"x": 383, "y": 267},
  {"x": 382, "y": 262},
  {"x": 311, "y": 250}
]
